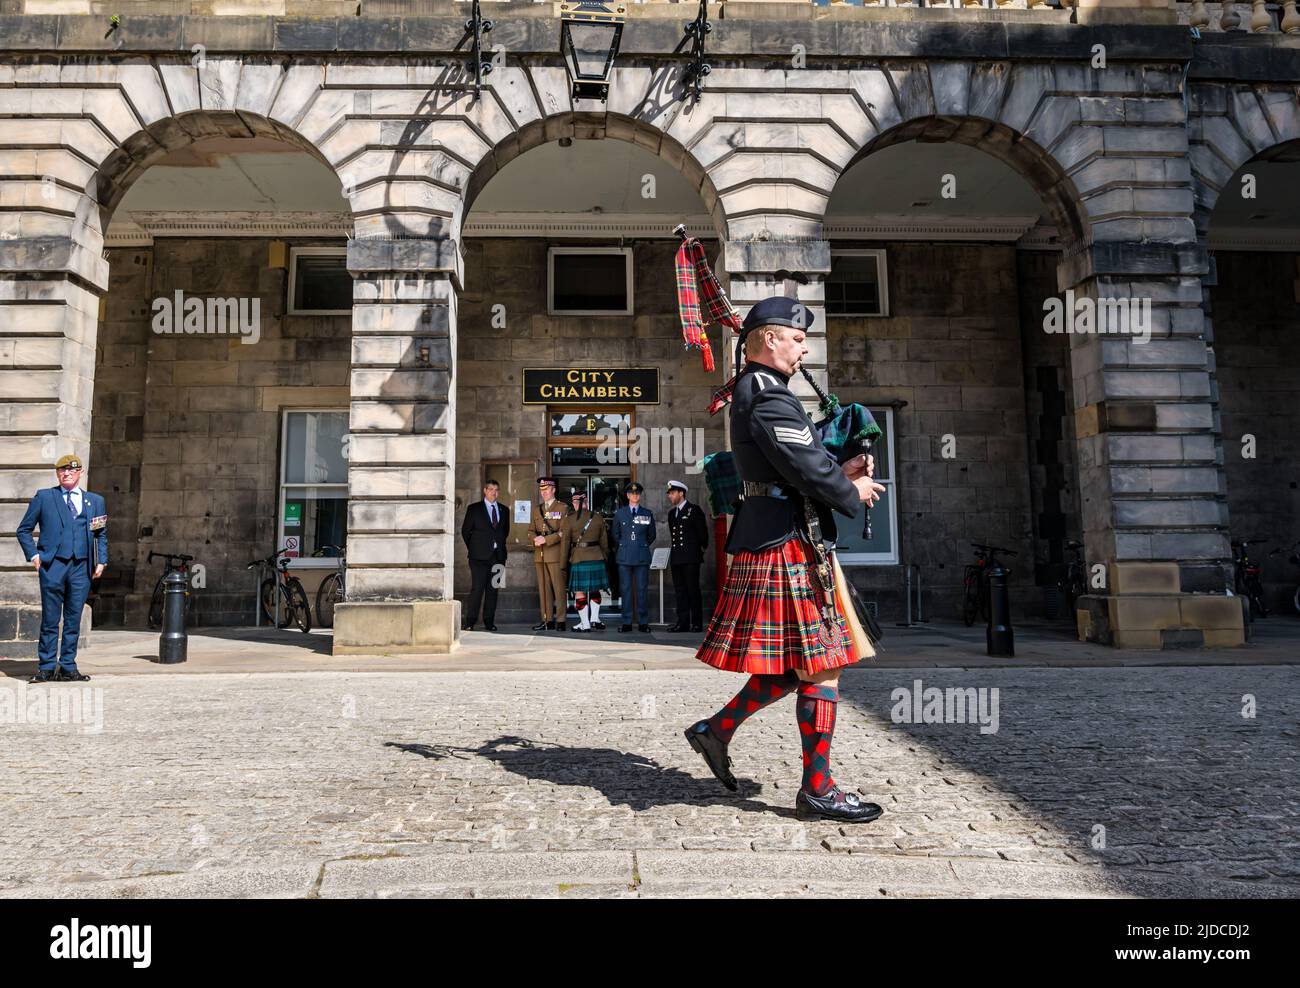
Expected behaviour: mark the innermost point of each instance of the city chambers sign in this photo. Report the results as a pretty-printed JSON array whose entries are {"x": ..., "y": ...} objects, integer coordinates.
[{"x": 581, "y": 385}]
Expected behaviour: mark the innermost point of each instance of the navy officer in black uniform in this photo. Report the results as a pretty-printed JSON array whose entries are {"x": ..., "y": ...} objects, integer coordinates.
[
  {"x": 772, "y": 621},
  {"x": 689, "y": 537}
]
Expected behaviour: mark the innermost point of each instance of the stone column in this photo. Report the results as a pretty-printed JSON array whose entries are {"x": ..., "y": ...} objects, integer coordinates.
[
  {"x": 49, "y": 308},
  {"x": 401, "y": 454},
  {"x": 752, "y": 268},
  {"x": 1151, "y": 480}
]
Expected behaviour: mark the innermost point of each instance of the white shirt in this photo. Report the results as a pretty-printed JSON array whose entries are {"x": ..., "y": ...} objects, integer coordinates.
[{"x": 77, "y": 501}]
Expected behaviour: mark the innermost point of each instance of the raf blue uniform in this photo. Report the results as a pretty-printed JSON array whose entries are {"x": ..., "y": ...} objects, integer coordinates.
[
  {"x": 634, "y": 534},
  {"x": 69, "y": 549}
]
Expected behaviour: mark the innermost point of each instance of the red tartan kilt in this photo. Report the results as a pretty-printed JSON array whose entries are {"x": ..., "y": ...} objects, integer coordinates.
[{"x": 768, "y": 618}]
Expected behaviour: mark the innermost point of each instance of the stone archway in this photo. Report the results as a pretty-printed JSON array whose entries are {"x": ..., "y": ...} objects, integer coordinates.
[{"x": 93, "y": 127}]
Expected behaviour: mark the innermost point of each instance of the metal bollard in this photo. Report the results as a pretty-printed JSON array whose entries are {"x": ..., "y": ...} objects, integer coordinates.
[
  {"x": 173, "y": 643},
  {"x": 907, "y": 596},
  {"x": 1000, "y": 637}
]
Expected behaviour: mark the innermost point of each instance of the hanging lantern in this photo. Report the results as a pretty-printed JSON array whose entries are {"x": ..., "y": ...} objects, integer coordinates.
[{"x": 590, "y": 32}]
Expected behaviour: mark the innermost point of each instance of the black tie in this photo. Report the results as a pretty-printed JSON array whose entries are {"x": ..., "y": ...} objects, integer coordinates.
[{"x": 492, "y": 512}]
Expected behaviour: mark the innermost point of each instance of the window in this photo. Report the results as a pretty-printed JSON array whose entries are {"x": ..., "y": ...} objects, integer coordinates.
[
  {"x": 319, "y": 282},
  {"x": 882, "y": 548},
  {"x": 589, "y": 281},
  {"x": 313, "y": 506},
  {"x": 857, "y": 285}
]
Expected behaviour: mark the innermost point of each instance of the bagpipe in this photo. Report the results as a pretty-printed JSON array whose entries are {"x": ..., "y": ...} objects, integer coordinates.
[{"x": 846, "y": 431}]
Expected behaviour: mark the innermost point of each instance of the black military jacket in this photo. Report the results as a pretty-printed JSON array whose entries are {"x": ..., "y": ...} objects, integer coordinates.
[
  {"x": 689, "y": 531},
  {"x": 773, "y": 441}
]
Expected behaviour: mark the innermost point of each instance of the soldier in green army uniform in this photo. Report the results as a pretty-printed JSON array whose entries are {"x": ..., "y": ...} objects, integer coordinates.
[
  {"x": 547, "y": 528},
  {"x": 586, "y": 544}
]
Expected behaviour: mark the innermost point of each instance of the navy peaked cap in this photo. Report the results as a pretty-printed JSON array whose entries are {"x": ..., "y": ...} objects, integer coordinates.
[{"x": 779, "y": 310}]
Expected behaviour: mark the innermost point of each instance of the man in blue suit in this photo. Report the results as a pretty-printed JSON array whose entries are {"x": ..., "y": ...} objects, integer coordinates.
[
  {"x": 71, "y": 551},
  {"x": 634, "y": 534}
]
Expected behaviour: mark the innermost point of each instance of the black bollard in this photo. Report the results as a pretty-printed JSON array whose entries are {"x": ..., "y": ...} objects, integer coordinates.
[
  {"x": 173, "y": 643},
  {"x": 1000, "y": 637}
]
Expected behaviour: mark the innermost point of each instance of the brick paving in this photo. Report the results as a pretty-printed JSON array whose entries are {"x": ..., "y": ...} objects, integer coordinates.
[{"x": 1097, "y": 782}]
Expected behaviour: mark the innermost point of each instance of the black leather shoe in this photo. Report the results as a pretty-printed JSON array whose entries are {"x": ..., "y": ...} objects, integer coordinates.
[
  {"x": 540, "y": 626},
  {"x": 624, "y": 629},
  {"x": 550, "y": 625},
  {"x": 490, "y": 627},
  {"x": 562, "y": 626},
  {"x": 579, "y": 629},
  {"x": 597, "y": 626},
  {"x": 677, "y": 628},
  {"x": 73, "y": 676},
  {"x": 467, "y": 627},
  {"x": 845, "y": 807},
  {"x": 643, "y": 627},
  {"x": 714, "y": 751},
  {"x": 41, "y": 677}
]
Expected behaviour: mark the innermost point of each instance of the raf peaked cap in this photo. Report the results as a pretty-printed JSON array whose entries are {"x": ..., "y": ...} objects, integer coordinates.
[
  {"x": 779, "y": 310},
  {"x": 68, "y": 461},
  {"x": 633, "y": 488}
]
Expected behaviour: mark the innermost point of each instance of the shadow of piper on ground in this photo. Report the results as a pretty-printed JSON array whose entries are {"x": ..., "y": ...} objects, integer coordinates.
[{"x": 624, "y": 778}]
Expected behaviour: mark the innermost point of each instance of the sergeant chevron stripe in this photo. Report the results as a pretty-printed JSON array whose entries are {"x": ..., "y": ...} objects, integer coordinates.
[{"x": 799, "y": 437}]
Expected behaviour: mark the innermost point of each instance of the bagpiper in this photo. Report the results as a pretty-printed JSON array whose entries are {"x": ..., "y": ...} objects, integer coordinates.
[
  {"x": 584, "y": 546},
  {"x": 688, "y": 531},
  {"x": 773, "y": 619},
  {"x": 548, "y": 519}
]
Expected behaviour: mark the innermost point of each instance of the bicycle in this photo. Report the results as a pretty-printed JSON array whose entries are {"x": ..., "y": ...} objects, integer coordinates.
[
  {"x": 975, "y": 581},
  {"x": 1294, "y": 560},
  {"x": 1246, "y": 580},
  {"x": 179, "y": 565},
  {"x": 293, "y": 598},
  {"x": 1073, "y": 585},
  {"x": 332, "y": 589}
]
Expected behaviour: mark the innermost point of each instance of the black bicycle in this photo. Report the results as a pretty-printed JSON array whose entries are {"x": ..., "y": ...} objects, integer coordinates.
[
  {"x": 175, "y": 563},
  {"x": 975, "y": 582},
  {"x": 1294, "y": 560},
  {"x": 332, "y": 589},
  {"x": 294, "y": 608},
  {"x": 1073, "y": 585},
  {"x": 1246, "y": 581}
]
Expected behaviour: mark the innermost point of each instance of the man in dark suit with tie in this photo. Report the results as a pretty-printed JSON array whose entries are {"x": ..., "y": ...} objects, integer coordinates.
[
  {"x": 485, "y": 530},
  {"x": 70, "y": 551}
]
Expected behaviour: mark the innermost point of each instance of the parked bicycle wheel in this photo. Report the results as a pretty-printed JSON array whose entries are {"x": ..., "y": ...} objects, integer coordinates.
[
  {"x": 1256, "y": 593},
  {"x": 970, "y": 605},
  {"x": 298, "y": 606},
  {"x": 329, "y": 594},
  {"x": 269, "y": 590},
  {"x": 156, "y": 605}
]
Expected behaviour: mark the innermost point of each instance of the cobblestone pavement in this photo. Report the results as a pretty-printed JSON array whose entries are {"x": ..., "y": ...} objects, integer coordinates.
[{"x": 1097, "y": 782}]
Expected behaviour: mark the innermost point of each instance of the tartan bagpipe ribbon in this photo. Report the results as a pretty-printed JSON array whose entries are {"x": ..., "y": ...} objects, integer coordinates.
[{"x": 696, "y": 284}]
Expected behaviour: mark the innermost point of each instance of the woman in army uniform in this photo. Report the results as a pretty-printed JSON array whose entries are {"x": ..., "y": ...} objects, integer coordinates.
[{"x": 584, "y": 548}]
